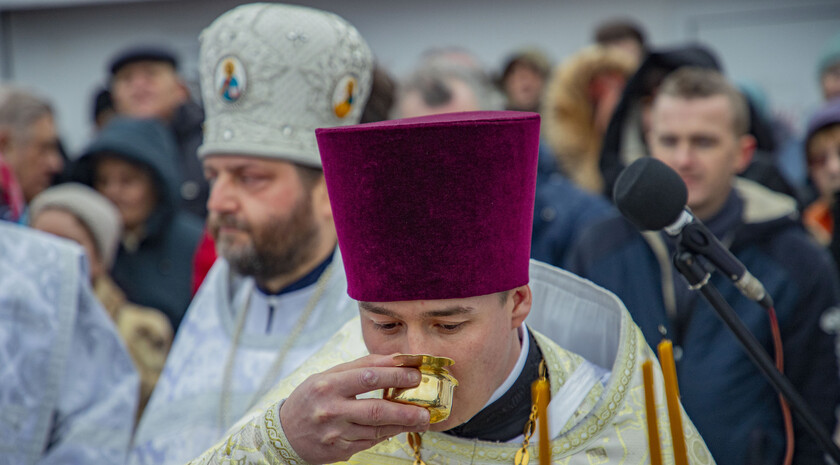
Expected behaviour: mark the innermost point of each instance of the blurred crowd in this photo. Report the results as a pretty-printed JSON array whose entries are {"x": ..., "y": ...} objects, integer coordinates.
[{"x": 164, "y": 198}]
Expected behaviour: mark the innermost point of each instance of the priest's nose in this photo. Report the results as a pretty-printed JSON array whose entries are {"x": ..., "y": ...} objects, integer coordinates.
[{"x": 416, "y": 342}]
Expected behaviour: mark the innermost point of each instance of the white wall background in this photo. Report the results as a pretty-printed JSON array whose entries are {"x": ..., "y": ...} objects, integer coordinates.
[{"x": 61, "y": 48}]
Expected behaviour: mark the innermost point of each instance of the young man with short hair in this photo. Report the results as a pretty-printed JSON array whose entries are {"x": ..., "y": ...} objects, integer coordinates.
[{"x": 699, "y": 127}]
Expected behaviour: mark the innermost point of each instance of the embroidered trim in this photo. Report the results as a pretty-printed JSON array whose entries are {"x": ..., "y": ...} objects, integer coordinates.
[
  {"x": 608, "y": 406},
  {"x": 277, "y": 438}
]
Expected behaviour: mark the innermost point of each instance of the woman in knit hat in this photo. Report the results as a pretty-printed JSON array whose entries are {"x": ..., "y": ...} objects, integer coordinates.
[{"x": 79, "y": 213}]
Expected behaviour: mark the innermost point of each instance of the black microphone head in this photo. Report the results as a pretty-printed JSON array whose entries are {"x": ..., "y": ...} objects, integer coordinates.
[{"x": 650, "y": 194}]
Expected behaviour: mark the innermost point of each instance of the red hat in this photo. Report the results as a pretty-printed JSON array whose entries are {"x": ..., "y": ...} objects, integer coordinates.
[{"x": 436, "y": 207}]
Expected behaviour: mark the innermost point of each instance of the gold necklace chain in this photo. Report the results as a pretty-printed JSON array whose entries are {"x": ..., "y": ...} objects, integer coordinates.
[
  {"x": 415, "y": 442},
  {"x": 224, "y": 404},
  {"x": 522, "y": 456}
]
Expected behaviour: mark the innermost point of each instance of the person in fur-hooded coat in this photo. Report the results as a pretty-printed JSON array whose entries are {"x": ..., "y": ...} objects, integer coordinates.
[{"x": 580, "y": 98}]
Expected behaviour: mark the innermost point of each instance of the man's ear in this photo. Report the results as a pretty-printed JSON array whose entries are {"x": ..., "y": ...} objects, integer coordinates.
[
  {"x": 746, "y": 150},
  {"x": 321, "y": 199},
  {"x": 522, "y": 299}
]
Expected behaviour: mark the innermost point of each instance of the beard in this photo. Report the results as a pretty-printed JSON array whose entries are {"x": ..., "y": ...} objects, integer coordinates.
[{"x": 277, "y": 248}]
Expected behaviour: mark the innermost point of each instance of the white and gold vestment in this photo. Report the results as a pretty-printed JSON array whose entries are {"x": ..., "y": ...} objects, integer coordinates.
[{"x": 572, "y": 320}]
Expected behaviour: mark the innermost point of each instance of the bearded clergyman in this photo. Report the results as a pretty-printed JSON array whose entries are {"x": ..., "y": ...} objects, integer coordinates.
[{"x": 270, "y": 75}]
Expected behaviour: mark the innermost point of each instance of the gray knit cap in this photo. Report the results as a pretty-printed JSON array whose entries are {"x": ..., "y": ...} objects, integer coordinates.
[
  {"x": 96, "y": 212},
  {"x": 271, "y": 74}
]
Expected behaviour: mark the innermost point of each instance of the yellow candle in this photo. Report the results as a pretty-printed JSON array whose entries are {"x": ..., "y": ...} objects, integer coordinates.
[
  {"x": 541, "y": 394},
  {"x": 672, "y": 397},
  {"x": 650, "y": 408}
]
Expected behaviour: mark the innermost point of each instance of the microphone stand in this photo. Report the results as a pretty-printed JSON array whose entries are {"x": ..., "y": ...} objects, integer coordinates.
[{"x": 698, "y": 279}]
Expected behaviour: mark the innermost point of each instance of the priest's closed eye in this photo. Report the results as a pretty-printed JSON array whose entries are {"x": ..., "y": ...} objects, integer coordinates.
[
  {"x": 385, "y": 326},
  {"x": 452, "y": 327}
]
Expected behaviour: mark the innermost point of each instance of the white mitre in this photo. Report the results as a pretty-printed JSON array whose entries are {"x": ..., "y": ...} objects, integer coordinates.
[{"x": 271, "y": 74}]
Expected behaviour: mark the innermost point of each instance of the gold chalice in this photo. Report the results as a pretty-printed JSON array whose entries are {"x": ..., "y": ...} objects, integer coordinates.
[{"x": 435, "y": 389}]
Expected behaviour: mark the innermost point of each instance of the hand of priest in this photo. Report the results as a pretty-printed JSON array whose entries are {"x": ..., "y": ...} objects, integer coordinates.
[{"x": 324, "y": 422}]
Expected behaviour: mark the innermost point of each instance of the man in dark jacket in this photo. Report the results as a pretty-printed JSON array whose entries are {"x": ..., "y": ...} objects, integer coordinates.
[
  {"x": 145, "y": 84},
  {"x": 133, "y": 163},
  {"x": 699, "y": 128},
  {"x": 624, "y": 140}
]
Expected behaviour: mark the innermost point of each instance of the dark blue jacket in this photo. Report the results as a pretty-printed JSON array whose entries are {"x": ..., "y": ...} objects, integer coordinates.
[
  {"x": 561, "y": 211},
  {"x": 732, "y": 405},
  {"x": 159, "y": 272},
  {"x": 193, "y": 190}
]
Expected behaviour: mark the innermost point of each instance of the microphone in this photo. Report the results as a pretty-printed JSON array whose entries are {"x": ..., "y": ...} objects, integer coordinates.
[{"x": 653, "y": 196}]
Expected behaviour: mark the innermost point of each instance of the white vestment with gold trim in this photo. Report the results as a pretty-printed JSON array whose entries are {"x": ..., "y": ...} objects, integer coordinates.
[
  {"x": 573, "y": 320},
  {"x": 207, "y": 383}
]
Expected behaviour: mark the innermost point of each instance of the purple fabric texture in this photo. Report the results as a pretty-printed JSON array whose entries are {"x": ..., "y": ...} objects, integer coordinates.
[{"x": 436, "y": 207}]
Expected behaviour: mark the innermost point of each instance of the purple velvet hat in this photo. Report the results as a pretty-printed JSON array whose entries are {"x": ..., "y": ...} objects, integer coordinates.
[{"x": 436, "y": 207}]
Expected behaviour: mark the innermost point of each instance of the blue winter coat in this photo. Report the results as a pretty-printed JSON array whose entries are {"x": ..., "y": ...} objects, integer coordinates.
[
  {"x": 728, "y": 399},
  {"x": 158, "y": 274},
  {"x": 561, "y": 211}
]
